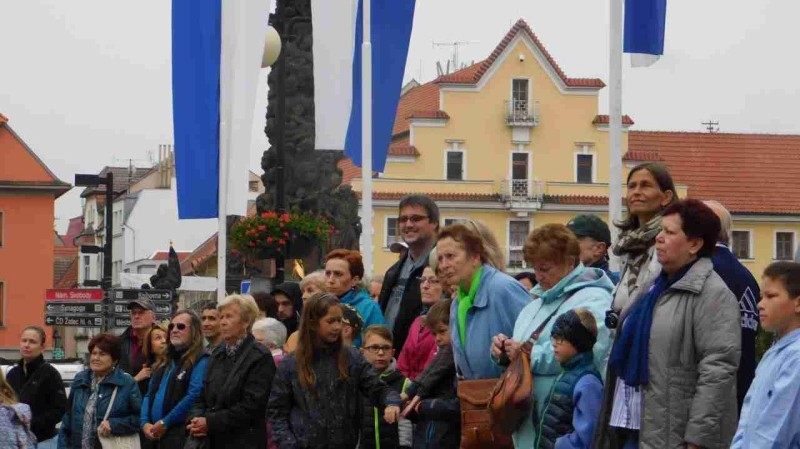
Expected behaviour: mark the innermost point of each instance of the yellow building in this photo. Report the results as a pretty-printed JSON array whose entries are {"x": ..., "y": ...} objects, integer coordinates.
[{"x": 516, "y": 143}]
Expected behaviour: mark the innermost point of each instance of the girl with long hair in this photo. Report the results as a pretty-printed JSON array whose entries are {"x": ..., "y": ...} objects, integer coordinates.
[{"x": 315, "y": 399}]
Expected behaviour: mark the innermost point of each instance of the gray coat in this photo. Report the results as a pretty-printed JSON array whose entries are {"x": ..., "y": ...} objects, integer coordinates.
[{"x": 694, "y": 351}]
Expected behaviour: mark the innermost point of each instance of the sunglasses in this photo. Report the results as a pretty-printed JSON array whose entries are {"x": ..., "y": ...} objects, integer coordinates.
[{"x": 180, "y": 326}]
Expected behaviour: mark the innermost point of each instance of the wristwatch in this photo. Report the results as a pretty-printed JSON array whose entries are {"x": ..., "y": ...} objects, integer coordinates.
[{"x": 161, "y": 421}]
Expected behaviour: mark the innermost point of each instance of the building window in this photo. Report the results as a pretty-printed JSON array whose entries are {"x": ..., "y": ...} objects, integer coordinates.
[
  {"x": 1, "y": 229},
  {"x": 784, "y": 245},
  {"x": 519, "y": 95},
  {"x": 452, "y": 221},
  {"x": 392, "y": 231},
  {"x": 2, "y": 302},
  {"x": 517, "y": 233},
  {"x": 583, "y": 170},
  {"x": 254, "y": 186},
  {"x": 740, "y": 245},
  {"x": 455, "y": 165},
  {"x": 87, "y": 272}
]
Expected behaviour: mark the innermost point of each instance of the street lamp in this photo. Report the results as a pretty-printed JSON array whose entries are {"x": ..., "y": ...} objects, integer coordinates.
[
  {"x": 90, "y": 180},
  {"x": 272, "y": 48}
]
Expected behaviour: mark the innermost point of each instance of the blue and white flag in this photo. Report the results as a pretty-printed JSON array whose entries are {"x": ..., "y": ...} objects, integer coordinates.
[
  {"x": 338, "y": 31},
  {"x": 217, "y": 47},
  {"x": 645, "y": 21}
]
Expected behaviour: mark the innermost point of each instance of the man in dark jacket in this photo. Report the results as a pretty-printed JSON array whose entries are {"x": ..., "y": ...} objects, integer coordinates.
[
  {"x": 131, "y": 360},
  {"x": 176, "y": 385},
  {"x": 745, "y": 288},
  {"x": 38, "y": 384},
  {"x": 400, "y": 297}
]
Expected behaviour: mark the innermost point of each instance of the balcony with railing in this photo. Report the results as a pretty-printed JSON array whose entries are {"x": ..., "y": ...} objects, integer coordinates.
[
  {"x": 522, "y": 113},
  {"x": 522, "y": 194}
]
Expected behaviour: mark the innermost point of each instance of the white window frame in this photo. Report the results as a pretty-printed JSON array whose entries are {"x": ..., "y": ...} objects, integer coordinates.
[
  {"x": 751, "y": 242},
  {"x": 775, "y": 243},
  {"x": 386, "y": 219},
  {"x": 530, "y": 166},
  {"x": 583, "y": 149},
  {"x": 509, "y": 248},
  {"x": 458, "y": 219},
  {"x": 455, "y": 147},
  {"x": 530, "y": 89}
]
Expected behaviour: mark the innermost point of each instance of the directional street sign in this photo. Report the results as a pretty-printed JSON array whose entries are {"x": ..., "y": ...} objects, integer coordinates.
[
  {"x": 72, "y": 308},
  {"x": 131, "y": 294},
  {"x": 75, "y": 320},
  {"x": 74, "y": 294},
  {"x": 162, "y": 308},
  {"x": 125, "y": 321}
]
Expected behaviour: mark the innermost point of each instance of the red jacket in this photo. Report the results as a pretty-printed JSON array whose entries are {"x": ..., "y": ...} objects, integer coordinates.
[{"x": 418, "y": 351}]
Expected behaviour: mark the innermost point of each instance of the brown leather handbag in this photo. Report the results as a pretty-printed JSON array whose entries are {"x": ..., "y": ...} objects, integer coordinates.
[
  {"x": 476, "y": 422},
  {"x": 512, "y": 397}
]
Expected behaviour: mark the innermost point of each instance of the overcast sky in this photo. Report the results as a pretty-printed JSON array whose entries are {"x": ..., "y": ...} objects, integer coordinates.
[{"x": 88, "y": 83}]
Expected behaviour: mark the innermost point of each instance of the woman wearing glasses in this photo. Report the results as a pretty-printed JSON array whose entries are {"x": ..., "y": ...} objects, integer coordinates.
[
  {"x": 176, "y": 382},
  {"x": 420, "y": 347}
]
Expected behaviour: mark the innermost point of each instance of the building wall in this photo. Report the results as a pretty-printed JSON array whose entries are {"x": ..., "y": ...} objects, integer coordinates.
[
  {"x": 153, "y": 223},
  {"x": 763, "y": 241},
  {"x": 26, "y": 263}
]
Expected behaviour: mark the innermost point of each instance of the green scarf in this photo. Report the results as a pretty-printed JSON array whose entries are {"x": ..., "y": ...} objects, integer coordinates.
[{"x": 465, "y": 303}]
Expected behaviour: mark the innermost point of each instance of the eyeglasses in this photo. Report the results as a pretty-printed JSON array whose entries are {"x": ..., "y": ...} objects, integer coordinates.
[
  {"x": 375, "y": 349},
  {"x": 180, "y": 326},
  {"x": 432, "y": 281},
  {"x": 411, "y": 218}
]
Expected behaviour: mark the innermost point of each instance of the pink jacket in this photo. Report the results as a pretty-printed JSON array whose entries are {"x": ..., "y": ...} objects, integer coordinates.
[{"x": 418, "y": 350}]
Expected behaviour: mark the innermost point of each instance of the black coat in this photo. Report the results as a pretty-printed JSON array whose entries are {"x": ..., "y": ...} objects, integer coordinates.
[
  {"x": 410, "y": 305},
  {"x": 43, "y": 390},
  {"x": 235, "y": 394},
  {"x": 331, "y": 419},
  {"x": 389, "y": 434}
]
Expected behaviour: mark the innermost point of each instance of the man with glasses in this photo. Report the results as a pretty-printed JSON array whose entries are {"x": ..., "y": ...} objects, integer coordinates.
[
  {"x": 418, "y": 223},
  {"x": 175, "y": 385}
]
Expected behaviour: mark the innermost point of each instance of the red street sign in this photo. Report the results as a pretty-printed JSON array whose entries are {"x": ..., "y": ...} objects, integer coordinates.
[{"x": 74, "y": 294}]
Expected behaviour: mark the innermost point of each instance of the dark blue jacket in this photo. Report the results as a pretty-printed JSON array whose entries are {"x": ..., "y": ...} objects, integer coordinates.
[
  {"x": 572, "y": 408},
  {"x": 124, "y": 417},
  {"x": 331, "y": 418},
  {"x": 439, "y": 418},
  {"x": 745, "y": 288}
]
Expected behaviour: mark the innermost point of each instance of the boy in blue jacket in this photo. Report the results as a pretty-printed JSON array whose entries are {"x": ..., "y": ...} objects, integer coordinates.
[
  {"x": 573, "y": 405},
  {"x": 771, "y": 411}
]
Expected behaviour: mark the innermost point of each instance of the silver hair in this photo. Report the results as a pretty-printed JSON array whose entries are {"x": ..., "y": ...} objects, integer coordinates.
[
  {"x": 317, "y": 277},
  {"x": 725, "y": 221},
  {"x": 273, "y": 330}
]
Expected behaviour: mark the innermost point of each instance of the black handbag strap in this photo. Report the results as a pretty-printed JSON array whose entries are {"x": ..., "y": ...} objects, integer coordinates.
[{"x": 535, "y": 334}]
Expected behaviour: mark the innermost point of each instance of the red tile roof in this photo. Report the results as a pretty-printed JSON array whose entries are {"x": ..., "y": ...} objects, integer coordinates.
[
  {"x": 69, "y": 279},
  {"x": 430, "y": 114},
  {"x": 474, "y": 73},
  {"x": 748, "y": 173},
  {"x": 349, "y": 170},
  {"x": 205, "y": 251},
  {"x": 418, "y": 99},
  {"x": 164, "y": 255},
  {"x": 604, "y": 119},
  {"x": 643, "y": 156},
  {"x": 577, "y": 200}
]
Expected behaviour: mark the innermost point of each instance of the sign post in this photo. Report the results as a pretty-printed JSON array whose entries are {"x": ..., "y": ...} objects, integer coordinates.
[{"x": 91, "y": 308}]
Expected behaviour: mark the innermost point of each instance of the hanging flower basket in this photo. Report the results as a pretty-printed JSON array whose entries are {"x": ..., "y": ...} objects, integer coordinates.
[{"x": 266, "y": 236}]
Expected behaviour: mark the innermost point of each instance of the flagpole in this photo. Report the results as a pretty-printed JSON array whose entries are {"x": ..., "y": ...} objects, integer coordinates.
[
  {"x": 366, "y": 139},
  {"x": 615, "y": 123},
  {"x": 222, "y": 221}
]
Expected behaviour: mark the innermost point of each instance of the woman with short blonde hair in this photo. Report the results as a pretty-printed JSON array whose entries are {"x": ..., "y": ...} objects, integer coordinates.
[{"x": 248, "y": 309}]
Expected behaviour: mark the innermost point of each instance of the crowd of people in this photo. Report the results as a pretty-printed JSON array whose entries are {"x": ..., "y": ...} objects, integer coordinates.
[{"x": 658, "y": 355}]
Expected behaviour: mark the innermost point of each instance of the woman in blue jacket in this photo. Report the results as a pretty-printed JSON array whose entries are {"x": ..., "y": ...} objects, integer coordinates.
[
  {"x": 90, "y": 397},
  {"x": 488, "y": 300},
  {"x": 563, "y": 284}
]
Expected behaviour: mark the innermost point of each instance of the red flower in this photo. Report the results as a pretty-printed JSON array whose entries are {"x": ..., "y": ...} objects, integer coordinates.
[
  {"x": 282, "y": 241},
  {"x": 270, "y": 240},
  {"x": 286, "y": 234},
  {"x": 252, "y": 243},
  {"x": 285, "y": 217},
  {"x": 261, "y": 227}
]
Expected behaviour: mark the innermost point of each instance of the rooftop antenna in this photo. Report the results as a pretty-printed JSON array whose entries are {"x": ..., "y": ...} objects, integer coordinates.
[
  {"x": 711, "y": 126},
  {"x": 455, "y": 44}
]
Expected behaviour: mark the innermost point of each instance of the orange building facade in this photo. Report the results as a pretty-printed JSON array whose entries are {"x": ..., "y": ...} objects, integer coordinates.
[{"x": 28, "y": 190}]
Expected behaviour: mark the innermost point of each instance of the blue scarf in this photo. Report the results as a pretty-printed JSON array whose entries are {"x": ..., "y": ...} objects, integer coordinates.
[{"x": 630, "y": 355}]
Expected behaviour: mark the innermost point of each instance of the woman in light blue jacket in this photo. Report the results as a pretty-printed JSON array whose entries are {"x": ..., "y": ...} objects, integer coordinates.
[
  {"x": 488, "y": 303},
  {"x": 563, "y": 284}
]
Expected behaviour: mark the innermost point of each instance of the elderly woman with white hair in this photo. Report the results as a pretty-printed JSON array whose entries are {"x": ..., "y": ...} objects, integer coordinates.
[
  {"x": 272, "y": 334},
  {"x": 230, "y": 411}
]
